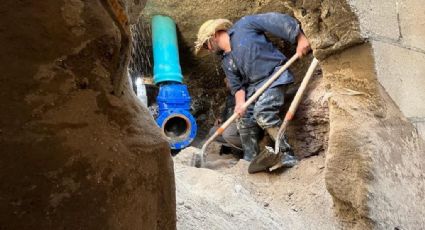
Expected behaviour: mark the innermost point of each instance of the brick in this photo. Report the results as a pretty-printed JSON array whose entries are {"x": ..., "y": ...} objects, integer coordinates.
[
  {"x": 402, "y": 73},
  {"x": 378, "y": 18},
  {"x": 412, "y": 23}
]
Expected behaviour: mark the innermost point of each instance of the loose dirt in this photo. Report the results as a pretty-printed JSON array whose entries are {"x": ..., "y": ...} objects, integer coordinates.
[{"x": 225, "y": 196}]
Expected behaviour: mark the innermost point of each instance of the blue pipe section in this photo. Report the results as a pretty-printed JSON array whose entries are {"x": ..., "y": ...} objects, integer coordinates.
[
  {"x": 173, "y": 98},
  {"x": 165, "y": 50},
  {"x": 174, "y": 105}
]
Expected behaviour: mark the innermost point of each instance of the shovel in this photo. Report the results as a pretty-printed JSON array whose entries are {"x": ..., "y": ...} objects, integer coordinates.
[
  {"x": 270, "y": 159},
  {"x": 198, "y": 159}
]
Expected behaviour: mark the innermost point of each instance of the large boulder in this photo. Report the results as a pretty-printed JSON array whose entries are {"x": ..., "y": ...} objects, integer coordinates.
[{"x": 72, "y": 154}]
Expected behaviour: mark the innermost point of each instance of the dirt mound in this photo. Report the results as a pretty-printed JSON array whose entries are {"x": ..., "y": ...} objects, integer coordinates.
[
  {"x": 227, "y": 197},
  {"x": 224, "y": 196}
]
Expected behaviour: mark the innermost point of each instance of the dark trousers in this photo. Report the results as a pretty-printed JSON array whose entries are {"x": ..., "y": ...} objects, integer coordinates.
[
  {"x": 230, "y": 136},
  {"x": 262, "y": 114}
]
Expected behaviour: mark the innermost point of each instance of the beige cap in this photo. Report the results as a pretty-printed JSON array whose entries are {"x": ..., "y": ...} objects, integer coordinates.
[{"x": 208, "y": 29}]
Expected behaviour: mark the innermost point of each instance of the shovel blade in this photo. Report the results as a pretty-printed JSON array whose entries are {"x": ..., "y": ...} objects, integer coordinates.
[
  {"x": 198, "y": 160},
  {"x": 264, "y": 160}
]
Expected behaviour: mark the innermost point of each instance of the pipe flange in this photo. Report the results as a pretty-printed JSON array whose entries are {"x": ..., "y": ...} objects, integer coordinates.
[{"x": 179, "y": 126}]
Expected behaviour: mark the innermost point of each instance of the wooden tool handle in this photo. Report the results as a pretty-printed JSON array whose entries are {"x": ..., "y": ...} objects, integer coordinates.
[{"x": 294, "y": 105}]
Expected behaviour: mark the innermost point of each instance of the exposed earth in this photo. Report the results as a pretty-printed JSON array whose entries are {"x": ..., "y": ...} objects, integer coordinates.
[
  {"x": 224, "y": 196},
  {"x": 79, "y": 151}
]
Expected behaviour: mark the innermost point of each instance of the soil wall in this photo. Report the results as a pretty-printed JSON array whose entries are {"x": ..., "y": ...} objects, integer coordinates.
[{"x": 72, "y": 154}]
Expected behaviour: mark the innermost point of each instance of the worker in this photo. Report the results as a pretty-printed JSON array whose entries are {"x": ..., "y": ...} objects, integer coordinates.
[
  {"x": 230, "y": 138},
  {"x": 249, "y": 59}
]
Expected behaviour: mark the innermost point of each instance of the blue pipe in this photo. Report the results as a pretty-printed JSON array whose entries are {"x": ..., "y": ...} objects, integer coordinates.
[
  {"x": 165, "y": 50},
  {"x": 174, "y": 118}
]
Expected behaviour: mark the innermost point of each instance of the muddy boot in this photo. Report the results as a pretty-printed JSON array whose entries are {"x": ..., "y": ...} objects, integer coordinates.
[
  {"x": 249, "y": 139},
  {"x": 267, "y": 159},
  {"x": 288, "y": 159}
]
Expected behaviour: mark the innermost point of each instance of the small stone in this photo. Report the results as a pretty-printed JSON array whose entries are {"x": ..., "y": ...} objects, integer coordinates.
[
  {"x": 180, "y": 203},
  {"x": 238, "y": 188},
  {"x": 188, "y": 206},
  {"x": 321, "y": 167},
  {"x": 266, "y": 204},
  {"x": 294, "y": 209}
]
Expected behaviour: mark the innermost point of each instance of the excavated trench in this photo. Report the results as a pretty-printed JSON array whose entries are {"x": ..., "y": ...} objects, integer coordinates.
[
  {"x": 311, "y": 125},
  {"x": 335, "y": 169},
  {"x": 221, "y": 195}
]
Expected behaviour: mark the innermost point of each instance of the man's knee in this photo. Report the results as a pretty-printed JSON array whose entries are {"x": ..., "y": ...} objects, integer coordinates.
[
  {"x": 266, "y": 110},
  {"x": 267, "y": 118},
  {"x": 246, "y": 123},
  {"x": 231, "y": 135}
]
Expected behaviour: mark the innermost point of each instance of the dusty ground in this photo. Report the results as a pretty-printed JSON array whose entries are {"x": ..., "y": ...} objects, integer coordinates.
[{"x": 225, "y": 196}]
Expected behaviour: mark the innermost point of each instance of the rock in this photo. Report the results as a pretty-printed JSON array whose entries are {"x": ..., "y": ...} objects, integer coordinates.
[
  {"x": 369, "y": 158},
  {"x": 58, "y": 108}
]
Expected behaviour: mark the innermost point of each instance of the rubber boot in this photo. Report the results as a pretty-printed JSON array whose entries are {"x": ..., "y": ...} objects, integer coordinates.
[
  {"x": 288, "y": 159},
  {"x": 249, "y": 139},
  {"x": 284, "y": 145}
]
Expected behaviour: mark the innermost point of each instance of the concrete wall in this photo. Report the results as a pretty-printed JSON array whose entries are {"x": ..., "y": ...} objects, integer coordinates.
[{"x": 396, "y": 29}]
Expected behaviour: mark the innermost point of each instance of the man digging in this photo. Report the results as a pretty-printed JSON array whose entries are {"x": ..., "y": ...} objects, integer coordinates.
[{"x": 249, "y": 59}]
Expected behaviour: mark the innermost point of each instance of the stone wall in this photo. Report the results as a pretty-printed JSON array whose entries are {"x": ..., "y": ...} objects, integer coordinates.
[{"x": 396, "y": 29}]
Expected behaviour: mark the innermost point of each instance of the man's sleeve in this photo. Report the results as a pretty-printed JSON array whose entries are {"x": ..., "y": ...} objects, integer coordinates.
[
  {"x": 234, "y": 80},
  {"x": 280, "y": 25}
]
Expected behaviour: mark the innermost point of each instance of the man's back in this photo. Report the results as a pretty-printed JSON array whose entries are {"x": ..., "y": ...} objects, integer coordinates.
[{"x": 253, "y": 57}]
